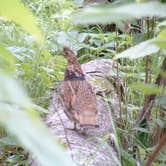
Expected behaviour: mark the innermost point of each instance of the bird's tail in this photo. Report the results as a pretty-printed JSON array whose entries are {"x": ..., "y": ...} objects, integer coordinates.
[{"x": 88, "y": 120}]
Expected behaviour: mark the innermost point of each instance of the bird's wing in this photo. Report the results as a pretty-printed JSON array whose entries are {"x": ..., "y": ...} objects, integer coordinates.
[
  {"x": 66, "y": 96},
  {"x": 84, "y": 103}
]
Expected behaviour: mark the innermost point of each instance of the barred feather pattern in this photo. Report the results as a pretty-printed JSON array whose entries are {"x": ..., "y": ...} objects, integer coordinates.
[{"x": 77, "y": 94}]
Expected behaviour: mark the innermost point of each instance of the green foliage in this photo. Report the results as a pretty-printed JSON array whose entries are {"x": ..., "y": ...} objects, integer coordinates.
[
  {"x": 147, "y": 42},
  {"x": 38, "y": 76},
  {"x": 6, "y": 59},
  {"x": 29, "y": 61},
  {"x": 53, "y": 16},
  {"x": 23, "y": 123},
  {"x": 15, "y": 11},
  {"x": 38, "y": 67}
]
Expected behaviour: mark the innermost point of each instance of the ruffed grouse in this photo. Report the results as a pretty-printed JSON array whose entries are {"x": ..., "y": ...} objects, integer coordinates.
[{"x": 76, "y": 93}]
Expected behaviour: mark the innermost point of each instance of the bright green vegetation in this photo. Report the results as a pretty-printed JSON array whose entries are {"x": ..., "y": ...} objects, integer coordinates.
[{"x": 33, "y": 32}]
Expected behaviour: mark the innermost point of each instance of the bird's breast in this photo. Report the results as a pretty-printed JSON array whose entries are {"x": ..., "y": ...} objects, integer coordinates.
[{"x": 73, "y": 76}]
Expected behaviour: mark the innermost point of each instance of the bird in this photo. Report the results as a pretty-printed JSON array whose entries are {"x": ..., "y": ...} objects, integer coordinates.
[{"x": 77, "y": 95}]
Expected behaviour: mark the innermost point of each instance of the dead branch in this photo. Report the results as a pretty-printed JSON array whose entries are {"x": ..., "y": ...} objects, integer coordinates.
[{"x": 157, "y": 149}]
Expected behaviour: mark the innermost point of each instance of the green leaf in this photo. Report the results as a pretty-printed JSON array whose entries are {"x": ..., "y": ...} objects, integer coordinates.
[
  {"x": 147, "y": 89},
  {"x": 115, "y": 13},
  {"x": 7, "y": 141},
  {"x": 60, "y": 63},
  {"x": 127, "y": 158},
  {"x": 15, "y": 11},
  {"x": 162, "y": 100},
  {"x": 13, "y": 93},
  {"x": 25, "y": 124},
  {"x": 161, "y": 39},
  {"x": 143, "y": 130},
  {"x": 33, "y": 136},
  {"x": 161, "y": 24},
  {"x": 143, "y": 49},
  {"x": 6, "y": 59},
  {"x": 38, "y": 108}
]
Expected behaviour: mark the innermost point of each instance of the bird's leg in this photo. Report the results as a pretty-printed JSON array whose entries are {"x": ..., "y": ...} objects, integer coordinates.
[{"x": 75, "y": 126}]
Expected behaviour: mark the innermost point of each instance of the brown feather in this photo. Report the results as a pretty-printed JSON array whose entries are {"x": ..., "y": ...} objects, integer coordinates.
[{"x": 76, "y": 93}]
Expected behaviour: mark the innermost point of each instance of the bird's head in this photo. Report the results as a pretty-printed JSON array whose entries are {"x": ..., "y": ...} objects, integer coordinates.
[{"x": 67, "y": 53}]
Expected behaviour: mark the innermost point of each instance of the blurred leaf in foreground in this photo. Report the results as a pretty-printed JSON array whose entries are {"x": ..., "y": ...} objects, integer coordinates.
[
  {"x": 161, "y": 39},
  {"x": 6, "y": 59},
  {"x": 14, "y": 10},
  {"x": 118, "y": 12},
  {"x": 143, "y": 49},
  {"x": 22, "y": 122}
]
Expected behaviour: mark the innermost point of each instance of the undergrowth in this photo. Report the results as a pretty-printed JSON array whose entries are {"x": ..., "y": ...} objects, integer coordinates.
[{"x": 39, "y": 69}]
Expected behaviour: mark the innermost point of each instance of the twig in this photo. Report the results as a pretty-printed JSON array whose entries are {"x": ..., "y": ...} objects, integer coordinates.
[
  {"x": 152, "y": 156},
  {"x": 118, "y": 88},
  {"x": 65, "y": 132}
]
